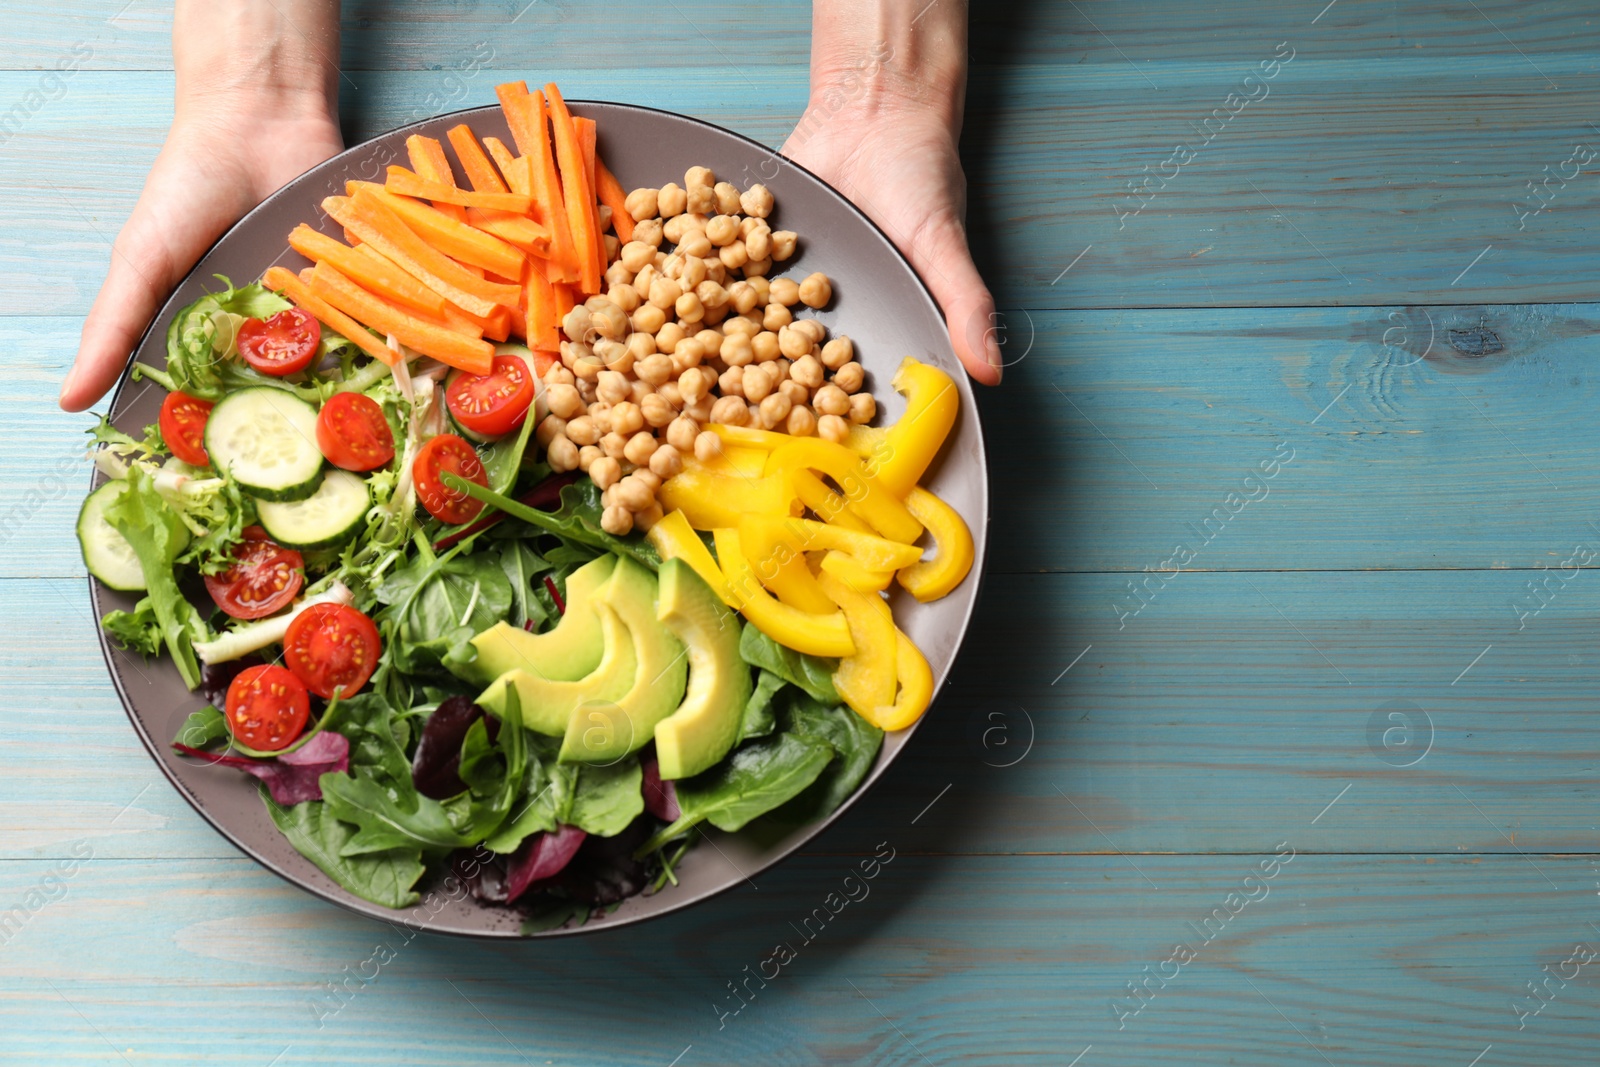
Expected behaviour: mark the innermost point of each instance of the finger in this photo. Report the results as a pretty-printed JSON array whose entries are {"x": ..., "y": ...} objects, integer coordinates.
[{"x": 939, "y": 253}]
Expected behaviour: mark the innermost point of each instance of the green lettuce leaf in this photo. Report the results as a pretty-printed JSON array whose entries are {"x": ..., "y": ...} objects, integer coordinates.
[{"x": 157, "y": 535}]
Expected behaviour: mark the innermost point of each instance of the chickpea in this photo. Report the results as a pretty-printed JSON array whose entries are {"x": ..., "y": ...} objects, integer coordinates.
[
  {"x": 576, "y": 323},
  {"x": 850, "y": 377},
  {"x": 654, "y": 369},
  {"x": 697, "y": 242},
  {"x": 695, "y": 383},
  {"x": 636, "y": 255},
  {"x": 736, "y": 350},
  {"x": 699, "y": 176},
  {"x": 641, "y": 281},
  {"x": 700, "y": 410},
  {"x": 642, "y": 204},
  {"x": 681, "y": 433},
  {"x": 758, "y": 245},
  {"x": 756, "y": 201},
  {"x": 656, "y": 411},
  {"x": 766, "y": 346},
  {"x": 637, "y": 391},
  {"x": 666, "y": 461},
  {"x": 664, "y": 293},
  {"x": 585, "y": 387},
  {"x": 677, "y": 228},
  {"x": 711, "y": 295},
  {"x": 689, "y": 308},
  {"x": 837, "y": 352},
  {"x": 626, "y": 417},
  {"x": 757, "y": 384},
  {"x": 785, "y": 291},
  {"x": 812, "y": 328},
  {"x": 670, "y": 392},
  {"x": 833, "y": 428},
  {"x": 614, "y": 354},
  {"x": 757, "y": 268},
  {"x": 730, "y": 410},
  {"x": 640, "y": 447},
  {"x": 728, "y": 201},
  {"x": 715, "y": 270},
  {"x": 797, "y": 393},
  {"x": 793, "y": 342},
  {"x": 720, "y": 231},
  {"x": 667, "y": 338},
  {"x": 612, "y": 445},
  {"x": 640, "y": 345},
  {"x": 671, "y": 200},
  {"x": 558, "y": 375},
  {"x": 691, "y": 350},
  {"x": 743, "y": 296},
  {"x": 775, "y": 410},
  {"x": 600, "y": 413},
  {"x": 801, "y": 422},
  {"x": 816, "y": 290},
  {"x": 776, "y": 317},
  {"x": 611, "y": 386},
  {"x": 604, "y": 472},
  {"x": 763, "y": 289},
  {"x": 691, "y": 273},
  {"x": 581, "y": 360},
  {"x": 616, "y": 520},
  {"x": 648, "y": 320},
  {"x": 563, "y": 401},
  {"x": 617, "y": 274},
  {"x": 710, "y": 340},
  {"x": 731, "y": 382},
  {"x": 561, "y": 454},
  {"x": 807, "y": 371},
  {"x": 648, "y": 231},
  {"x": 625, "y": 296},
  {"x": 633, "y": 492},
  {"x": 708, "y": 446},
  {"x": 702, "y": 199},
  {"x": 783, "y": 244},
  {"x": 613, "y": 245},
  {"x": 587, "y": 456},
  {"x": 733, "y": 256},
  {"x": 863, "y": 408},
  {"x": 550, "y": 426},
  {"x": 739, "y": 325},
  {"x": 831, "y": 400}
]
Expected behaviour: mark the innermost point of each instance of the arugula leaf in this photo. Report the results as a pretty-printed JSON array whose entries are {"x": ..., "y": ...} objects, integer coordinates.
[
  {"x": 201, "y": 728},
  {"x": 157, "y": 535},
  {"x": 608, "y": 798},
  {"x": 384, "y": 878},
  {"x": 814, "y": 674},
  {"x": 758, "y": 777},
  {"x": 578, "y": 518},
  {"x": 854, "y": 739},
  {"x": 760, "y": 717},
  {"x": 544, "y": 800}
]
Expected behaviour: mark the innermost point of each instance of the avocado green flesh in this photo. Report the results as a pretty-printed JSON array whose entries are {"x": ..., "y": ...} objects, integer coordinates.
[
  {"x": 608, "y": 727},
  {"x": 548, "y": 705},
  {"x": 571, "y": 650},
  {"x": 705, "y": 726}
]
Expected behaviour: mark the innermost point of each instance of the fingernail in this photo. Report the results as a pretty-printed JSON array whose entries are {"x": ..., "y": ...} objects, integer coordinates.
[{"x": 66, "y": 383}]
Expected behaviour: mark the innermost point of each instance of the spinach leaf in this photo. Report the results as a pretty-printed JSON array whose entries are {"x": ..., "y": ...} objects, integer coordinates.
[
  {"x": 608, "y": 798},
  {"x": 552, "y": 912},
  {"x": 760, "y": 717},
  {"x": 157, "y": 535},
  {"x": 811, "y": 673},
  {"x": 437, "y": 603},
  {"x": 502, "y": 460},
  {"x": 384, "y": 878},
  {"x": 201, "y": 728},
  {"x": 523, "y": 568},
  {"x": 758, "y": 777},
  {"x": 854, "y": 739}
]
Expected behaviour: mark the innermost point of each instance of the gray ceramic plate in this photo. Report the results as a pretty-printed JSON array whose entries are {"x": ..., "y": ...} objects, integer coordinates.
[{"x": 879, "y": 302}]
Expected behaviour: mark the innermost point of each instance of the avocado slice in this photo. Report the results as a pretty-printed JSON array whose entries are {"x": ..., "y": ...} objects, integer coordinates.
[
  {"x": 571, "y": 650},
  {"x": 706, "y": 724},
  {"x": 548, "y": 705},
  {"x": 606, "y": 727}
]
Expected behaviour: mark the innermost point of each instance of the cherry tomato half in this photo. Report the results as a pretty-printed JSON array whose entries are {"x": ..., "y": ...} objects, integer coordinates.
[
  {"x": 451, "y": 454},
  {"x": 353, "y": 434},
  {"x": 331, "y": 646},
  {"x": 495, "y": 403},
  {"x": 264, "y": 577},
  {"x": 267, "y": 707},
  {"x": 183, "y": 427},
  {"x": 281, "y": 345}
]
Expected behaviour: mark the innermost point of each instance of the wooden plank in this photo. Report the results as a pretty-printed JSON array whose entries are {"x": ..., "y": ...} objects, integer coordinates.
[
  {"x": 982, "y": 961},
  {"x": 1118, "y": 432},
  {"x": 1228, "y": 704}
]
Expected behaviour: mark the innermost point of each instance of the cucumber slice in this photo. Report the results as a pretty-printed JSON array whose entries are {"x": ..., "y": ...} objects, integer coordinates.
[
  {"x": 328, "y": 517},
  {"x": 106, "y": 552},
  {"x": 267, "y": 439}
]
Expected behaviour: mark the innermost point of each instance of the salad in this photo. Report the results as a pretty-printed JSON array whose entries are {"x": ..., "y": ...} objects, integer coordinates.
[{"x": 530, "y": 529}]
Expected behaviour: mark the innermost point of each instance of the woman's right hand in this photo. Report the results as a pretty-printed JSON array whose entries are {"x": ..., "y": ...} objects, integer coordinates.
[{"x": 256, "y": 100}]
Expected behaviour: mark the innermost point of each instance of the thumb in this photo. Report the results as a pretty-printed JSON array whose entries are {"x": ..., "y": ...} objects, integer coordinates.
[{"x": 939, "y": 253}]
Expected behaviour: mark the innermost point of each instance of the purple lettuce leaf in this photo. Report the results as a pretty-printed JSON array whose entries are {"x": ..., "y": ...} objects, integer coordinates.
[
  {"x": 292, "y": 778},
  {"x": 660, "y": 797}
]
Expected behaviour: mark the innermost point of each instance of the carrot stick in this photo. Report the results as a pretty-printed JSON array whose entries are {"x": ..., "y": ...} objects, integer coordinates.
[
  {"x": 542, "y": 319},
  {"x": 510, "y": 165},
  {"x": 481, "y": 173},
  {"x": 368, "y": 269},
  {"x": 473, "y": 356},
  {"x": 612, "y": 196},
  {"x": 351, "y": 239},
  {"x": 406, "y": 183},
  {"x": 545, "y": 185},
  {"x": 299, "y": 293},
  {"x": 574, "y": 190},
  {"x": 566, "y": 298},
  {"x": 375, "y": 217},
  {"x": 430, "y": 163},
  {"x": 342, "y": 210},
  {"x": 516, "y": 230},
  {"x": 591, "y": 199},
  {"x": 454, "y": 238}
]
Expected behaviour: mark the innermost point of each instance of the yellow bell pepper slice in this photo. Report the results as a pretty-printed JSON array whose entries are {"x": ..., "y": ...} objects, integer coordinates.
[
  {"x": 870, "y": 550},
  {"x": 899, "y": 460},
  {"x": 869, "y": 499},
  {"x": 710, "y": 499},
  {"x": 866, "y": 680},
  {"x": 832, "y": 507},
  {"x": 847, "y": 569},
  {"x": 749, "y": 437},
  {"x": 674, "y": 538},
  {"x": 916, "y": 688},
  {"x": 952, "y": 548},
  {"x": 780, "y": 563},
  {"x": 817, "y": 635}
]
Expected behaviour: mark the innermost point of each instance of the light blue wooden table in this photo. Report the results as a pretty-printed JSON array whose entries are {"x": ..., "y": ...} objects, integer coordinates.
[{"x": 1238, "y": 767}]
